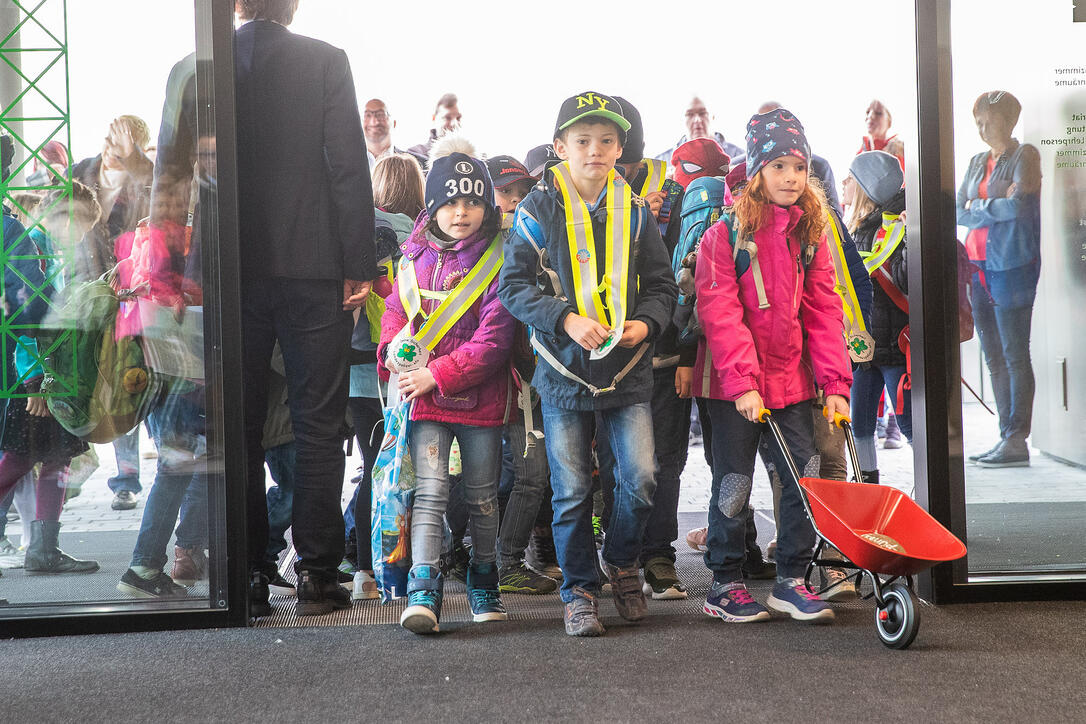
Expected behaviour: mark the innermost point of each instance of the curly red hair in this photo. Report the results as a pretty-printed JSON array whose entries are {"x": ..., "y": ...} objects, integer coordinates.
[{"x": 751, "y": 210}]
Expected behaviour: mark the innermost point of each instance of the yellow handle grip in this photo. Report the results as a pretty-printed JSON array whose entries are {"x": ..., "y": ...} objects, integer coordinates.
[
  {"x": 763, "y": 415},
  {"x": 838, "y": 418}
]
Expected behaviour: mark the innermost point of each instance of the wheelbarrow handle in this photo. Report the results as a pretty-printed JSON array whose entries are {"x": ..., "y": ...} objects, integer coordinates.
[{"x": 843, "y": 422}]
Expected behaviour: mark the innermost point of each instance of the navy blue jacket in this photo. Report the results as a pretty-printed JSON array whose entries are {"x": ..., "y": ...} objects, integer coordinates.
[{"x": 651, "y": 299}]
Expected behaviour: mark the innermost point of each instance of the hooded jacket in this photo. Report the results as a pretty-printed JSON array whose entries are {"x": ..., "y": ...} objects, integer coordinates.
[
  {"x": 471, "y": 362},
  {"x": 540, "y": 219},
  {"x": 887, "y": 320},
  {"x": 782, "y": 351}
]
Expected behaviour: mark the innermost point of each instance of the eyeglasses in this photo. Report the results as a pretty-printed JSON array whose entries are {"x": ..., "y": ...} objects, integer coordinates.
[{"x": 375, "y": 115}]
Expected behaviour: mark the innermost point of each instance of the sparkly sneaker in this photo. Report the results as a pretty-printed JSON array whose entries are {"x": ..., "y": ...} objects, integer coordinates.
[
  {"x": 483, "y": 595},
  {"x": 519, "y": 578},
  {"x": 733, "y": 603},
  {"x": 661, "y": 580},
  {"x": 423, "y": 610},
  {"x": 791, "y": 596}
]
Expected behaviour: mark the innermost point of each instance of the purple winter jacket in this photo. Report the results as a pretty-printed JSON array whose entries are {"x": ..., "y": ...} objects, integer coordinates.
[{"x": 471, "y": 362}]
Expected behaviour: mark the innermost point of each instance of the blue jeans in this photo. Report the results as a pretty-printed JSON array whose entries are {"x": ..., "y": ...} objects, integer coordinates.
[
  {"x": 671, "y": 436},
  {"x": 569, "y": 451},
  {"x": 523, "y": 483},
  {"x": 127, "y": 450},
  {"x": 735, "y": 448},
  {"x": 867, "y": 384},
  {"x": 281, "y": 461},
  {"x": 1004, "y": 339},
  {"x": 177, "y": 426},
  {"x": 480, "y": 454}
]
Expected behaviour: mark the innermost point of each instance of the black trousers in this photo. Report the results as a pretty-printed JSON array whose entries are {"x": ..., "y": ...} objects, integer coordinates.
[{"x": 306, "y": 317}]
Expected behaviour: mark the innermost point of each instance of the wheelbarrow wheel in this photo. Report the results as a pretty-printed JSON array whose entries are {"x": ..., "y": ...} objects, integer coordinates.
[{"x": 898, "y": 620}]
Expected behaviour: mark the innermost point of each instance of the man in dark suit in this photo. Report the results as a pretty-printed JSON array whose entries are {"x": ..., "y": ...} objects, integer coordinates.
[{"x": 307, "y": 261}]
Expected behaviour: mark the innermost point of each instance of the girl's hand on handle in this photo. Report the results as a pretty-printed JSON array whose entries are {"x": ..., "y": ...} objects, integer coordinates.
[
  {"x": 416, "y": 383},
  {"x": 835, "y": 405},
  {"x": 586, "y": 332},
  {"x": 750, "y": 406}
]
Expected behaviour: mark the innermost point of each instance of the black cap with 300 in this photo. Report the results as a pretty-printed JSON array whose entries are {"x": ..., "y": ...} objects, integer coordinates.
[{"x": 591, "y": 103}]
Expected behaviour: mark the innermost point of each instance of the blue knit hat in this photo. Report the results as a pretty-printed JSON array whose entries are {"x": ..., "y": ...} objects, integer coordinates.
[
  {"x": 772, "y": 135},
  {"x": 456, "y": 175}
]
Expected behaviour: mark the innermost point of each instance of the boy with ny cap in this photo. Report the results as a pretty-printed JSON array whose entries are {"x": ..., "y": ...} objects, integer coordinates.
[{"x": 587, "y": 270}]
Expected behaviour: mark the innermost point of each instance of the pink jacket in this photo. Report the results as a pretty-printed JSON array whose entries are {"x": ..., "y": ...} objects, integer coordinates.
[
  {"x": 471, "y": 362},
  {"x": 781, "y": 351}
]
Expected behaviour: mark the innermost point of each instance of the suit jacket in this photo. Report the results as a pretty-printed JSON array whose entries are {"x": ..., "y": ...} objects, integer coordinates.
[{"x": 305, "y": 201}]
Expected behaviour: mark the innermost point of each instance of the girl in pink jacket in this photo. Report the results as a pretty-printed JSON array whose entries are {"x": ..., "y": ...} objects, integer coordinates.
[
  {"x": 772, "y": 332},
  {"x": 447, "y": 336}
]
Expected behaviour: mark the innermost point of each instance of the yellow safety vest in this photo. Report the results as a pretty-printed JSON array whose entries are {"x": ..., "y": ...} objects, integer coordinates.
[
  {"x": 654, "y": 181},
  {"x": 860, "y": 343}
]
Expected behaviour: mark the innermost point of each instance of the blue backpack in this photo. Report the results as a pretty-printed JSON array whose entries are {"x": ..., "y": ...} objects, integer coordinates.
[{"x": 703, "y": 206}]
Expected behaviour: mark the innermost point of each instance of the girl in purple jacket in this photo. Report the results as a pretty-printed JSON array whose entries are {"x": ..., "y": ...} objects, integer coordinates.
[
  {"x": 447, "y": 337},
  {"x": 772, "y": 333}
]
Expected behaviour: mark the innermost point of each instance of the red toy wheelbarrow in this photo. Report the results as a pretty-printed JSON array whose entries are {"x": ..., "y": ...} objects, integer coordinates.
[{"x": 882, "y": 535}]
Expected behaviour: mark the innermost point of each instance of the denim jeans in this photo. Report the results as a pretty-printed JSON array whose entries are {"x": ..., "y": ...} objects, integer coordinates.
[
  {"x": 280, "y": 460},
  {"x": 521, "y": 488},
  {"x": 1004, "y": 339},
  {"x": 480, "y": 454},
  {"x": 735, "y": 448},
  {"x": 569, "y": 452},
  {"x": 671, "y": 437},
  {"x": 177, "y": 426},
  {"x": 867, "y": 385},
  {"x": 127, "y": 450}
]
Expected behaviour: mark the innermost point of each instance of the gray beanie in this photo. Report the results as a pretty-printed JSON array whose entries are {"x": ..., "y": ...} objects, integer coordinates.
[{"x": 879, "y": 175}]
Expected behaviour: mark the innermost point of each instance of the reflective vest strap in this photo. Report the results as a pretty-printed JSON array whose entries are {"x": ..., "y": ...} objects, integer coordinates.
[
  {"x": 655, "y": 179},
  {"x": 854, "y": 318},
  {"x": 887, "y": 240},
  {"x": 582, "y": 245},
  {"x": 409, "y": 290},
  {"x": 616, "y": 279},
  {"x": 460, "y": 299}
]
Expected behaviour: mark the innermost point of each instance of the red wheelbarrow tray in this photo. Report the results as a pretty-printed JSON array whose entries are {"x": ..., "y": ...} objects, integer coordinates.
[{"x": 901, "y": 537}]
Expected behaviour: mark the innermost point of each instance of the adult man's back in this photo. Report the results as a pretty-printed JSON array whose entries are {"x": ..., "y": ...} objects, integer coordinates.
[{"x": 306, "y": 222}]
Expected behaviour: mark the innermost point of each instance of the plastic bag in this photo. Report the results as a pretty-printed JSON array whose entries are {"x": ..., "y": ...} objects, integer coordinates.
[{"x": 393, "y": 496}]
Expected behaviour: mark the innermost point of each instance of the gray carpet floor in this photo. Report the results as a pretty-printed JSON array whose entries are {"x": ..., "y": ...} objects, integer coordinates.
[{"x": 1007, "y": 662}]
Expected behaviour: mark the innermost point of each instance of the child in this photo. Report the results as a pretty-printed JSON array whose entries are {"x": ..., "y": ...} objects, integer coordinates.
[
  {"x": 512, "y": 182},
  {"x": 460, "y": 389},
  {"x": 768, "y": 353},
  {"x": 609, "y": 294},
  {"x": 876, "y": 201}
]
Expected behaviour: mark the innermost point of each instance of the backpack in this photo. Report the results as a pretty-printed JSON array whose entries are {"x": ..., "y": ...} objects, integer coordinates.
[{"x": 703, "y": 204}]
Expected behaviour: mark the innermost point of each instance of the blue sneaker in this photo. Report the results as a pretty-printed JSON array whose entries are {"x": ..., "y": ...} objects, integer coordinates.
[
  {"x": 733, "y": 603},
  {"x": 483, "y": 595},
  {"x": 423, "y": 611},
  {"x": 791, "y": 596}
]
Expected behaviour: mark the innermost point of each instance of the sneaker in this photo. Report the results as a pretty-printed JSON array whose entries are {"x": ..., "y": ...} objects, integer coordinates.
[
  {"x": 541, "y": 555},
  {"x": 125, "y": 500},
  {"x": 10, "y": 555},
  {"x": 454, "y": 563},
  {"x": 161, "y": 586},
  {"x": 757, "y": 568},
  {"x": 880, "y": 428},
  {"x": 582, "y": 615},
  {"x": 986, "y": 453},
  {"x": 661, "y": 580},
  {"x": 519, "y": 578},
  {"x": 771, "y": 549},
  {"x": 597, "y": 530},
  {"x": 893, "y": 439},
  {"x": 698, "y": 539},
  {"x": 365, "y": 587},
  {"x": 1008, "y": 455},
  {"x": 836, "y": 584},
  {"x": 344, "y": 579},
  {"x": 484, "y": 596},
  {"x": 280, "y": 586},
  {"x": 258, "y": 595},
  {"x": 733, "y": 603},
  {"x": 316, "y": 596},
  {"x": 791, "y": 596},
  {"x": 424, "y": 596},
  {"x": 189, "y": 566},
  {"x": 626, "y": 591}
]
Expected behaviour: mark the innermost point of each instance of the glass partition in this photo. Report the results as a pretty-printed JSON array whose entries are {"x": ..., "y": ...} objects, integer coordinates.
[
  {"x": 1020, "y": 168},
  {"x": 111, "y": 480}
]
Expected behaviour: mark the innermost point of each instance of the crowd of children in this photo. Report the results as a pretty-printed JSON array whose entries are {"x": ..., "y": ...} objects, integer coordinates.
[{"x": 539, "y": 304}]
